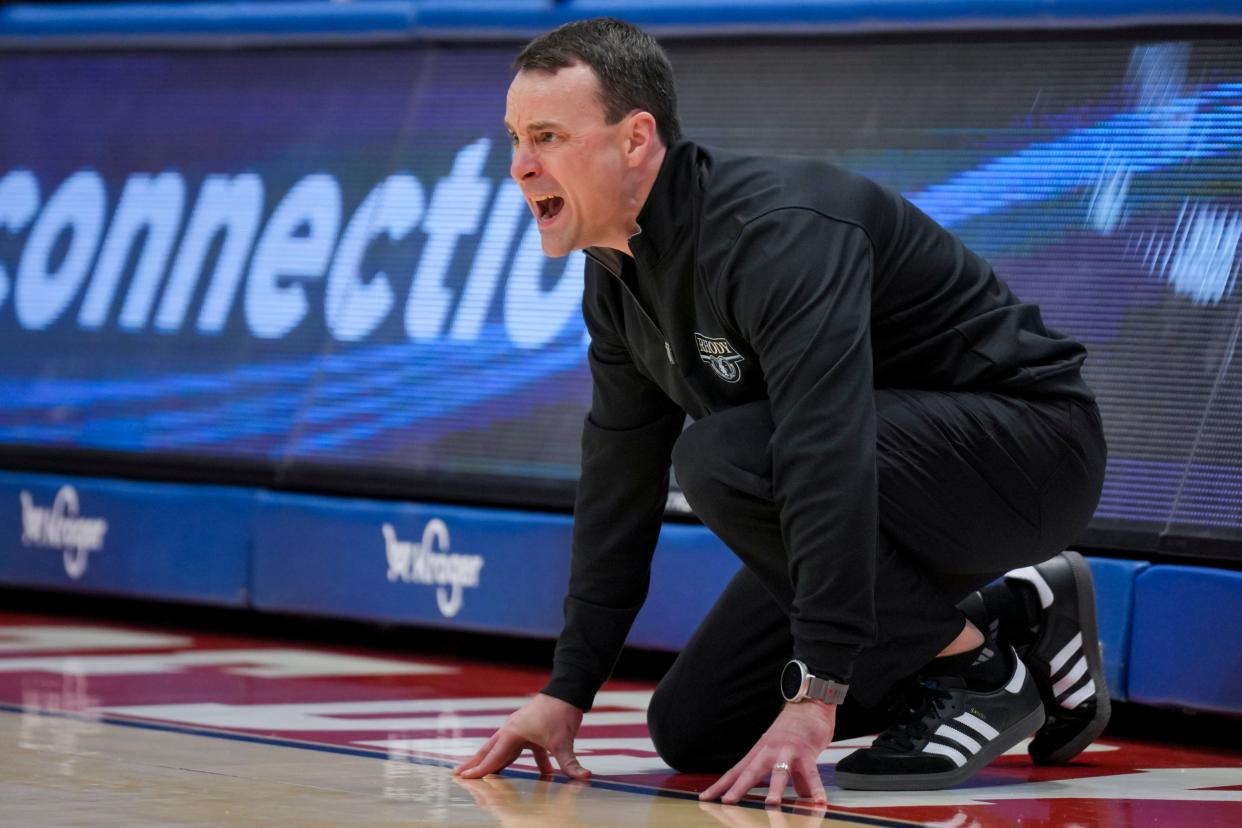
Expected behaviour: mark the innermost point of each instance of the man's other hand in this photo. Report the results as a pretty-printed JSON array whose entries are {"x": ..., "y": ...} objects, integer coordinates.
[
  {"x": 545, "y": 725},
  {"x": 788, "y": 752}
]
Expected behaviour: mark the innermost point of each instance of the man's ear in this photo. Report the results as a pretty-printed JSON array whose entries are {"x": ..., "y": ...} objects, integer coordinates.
[{"x": 641, "y": 136}]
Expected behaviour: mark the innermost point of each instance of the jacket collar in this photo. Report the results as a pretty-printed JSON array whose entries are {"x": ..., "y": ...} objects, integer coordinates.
[{"x": 665, "y": 215}]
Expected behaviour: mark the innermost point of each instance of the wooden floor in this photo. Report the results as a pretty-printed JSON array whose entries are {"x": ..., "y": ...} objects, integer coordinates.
[
  {"x": 121, "y": 725},
  {"x": 60, "y": 771}
]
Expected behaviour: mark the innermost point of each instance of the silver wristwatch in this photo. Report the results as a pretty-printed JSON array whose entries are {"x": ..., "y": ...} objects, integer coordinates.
[{"x": 797, "y": 684}]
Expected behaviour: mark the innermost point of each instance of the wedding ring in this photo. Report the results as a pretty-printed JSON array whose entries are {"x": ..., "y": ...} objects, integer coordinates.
[{"x": 781, "y": 766}]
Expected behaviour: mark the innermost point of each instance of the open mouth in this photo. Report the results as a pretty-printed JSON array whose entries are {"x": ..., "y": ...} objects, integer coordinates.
[{"x": 548, "y": 207}]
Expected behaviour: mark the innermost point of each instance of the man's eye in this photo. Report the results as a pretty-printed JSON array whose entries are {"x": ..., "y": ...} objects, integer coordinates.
[{"x": 547, "y": 137}]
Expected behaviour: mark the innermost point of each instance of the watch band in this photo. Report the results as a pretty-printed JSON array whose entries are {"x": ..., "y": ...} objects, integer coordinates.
[
  {"x": 797, "y": 684},
  {"x": 826, "y": 690}
]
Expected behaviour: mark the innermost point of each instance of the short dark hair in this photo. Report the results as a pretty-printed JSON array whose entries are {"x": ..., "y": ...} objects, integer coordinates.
[{"x": 632, "y": 68}]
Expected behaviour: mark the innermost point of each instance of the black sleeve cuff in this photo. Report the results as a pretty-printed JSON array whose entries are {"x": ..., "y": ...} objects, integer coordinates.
[
  {"x": 578, "y": 690},
  {"x": 827, "y": 661}
]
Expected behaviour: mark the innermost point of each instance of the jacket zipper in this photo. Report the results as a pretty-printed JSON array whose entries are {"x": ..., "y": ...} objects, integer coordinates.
[{"x": 668, "y": 349}]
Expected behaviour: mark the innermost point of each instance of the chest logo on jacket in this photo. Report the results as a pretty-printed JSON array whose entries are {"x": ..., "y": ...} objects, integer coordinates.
[{"x": 719, "y": 354}]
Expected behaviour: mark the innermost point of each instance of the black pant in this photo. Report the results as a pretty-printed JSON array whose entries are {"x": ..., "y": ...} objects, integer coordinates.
[{"x": 970, "y": 486}]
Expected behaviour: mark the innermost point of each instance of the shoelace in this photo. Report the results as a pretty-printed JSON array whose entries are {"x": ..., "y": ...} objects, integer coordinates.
[{"x": 911, "y": 726}]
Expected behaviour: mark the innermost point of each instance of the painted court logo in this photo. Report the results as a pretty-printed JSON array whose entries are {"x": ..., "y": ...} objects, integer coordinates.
[
  {"x": 59, "y": 527},
  {"x": 429, "y": 562},
  {"x": 719, "y": 354}
]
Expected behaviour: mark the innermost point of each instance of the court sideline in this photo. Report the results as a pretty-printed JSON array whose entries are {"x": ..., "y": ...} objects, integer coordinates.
[{"x": 132, "y": 724}]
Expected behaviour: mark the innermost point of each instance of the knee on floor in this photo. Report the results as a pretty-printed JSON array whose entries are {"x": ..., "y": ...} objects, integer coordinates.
[{"x": 683, "y": 736}]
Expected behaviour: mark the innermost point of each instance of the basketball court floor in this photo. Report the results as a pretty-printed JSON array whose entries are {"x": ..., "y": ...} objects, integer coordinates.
[{"x": 132, "y": 725}]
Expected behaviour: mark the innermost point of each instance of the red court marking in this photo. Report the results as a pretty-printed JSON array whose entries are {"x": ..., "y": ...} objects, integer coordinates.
[{"x": 392, "y": 706}]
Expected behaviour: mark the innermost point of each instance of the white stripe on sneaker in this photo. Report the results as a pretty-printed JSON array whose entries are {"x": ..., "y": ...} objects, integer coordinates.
[
  {"x": 946, "y": 732},
  {"x": 1071, "y": 678},
  {"x": 1067, "y": 652},
  {"x": 1032, "y": 577},
  {"x": 1084, "y": 693},
  {"x": 1019, "y": 676},
  {"x": 978, "y": 725},
  {"x": 944, "y": 750}
]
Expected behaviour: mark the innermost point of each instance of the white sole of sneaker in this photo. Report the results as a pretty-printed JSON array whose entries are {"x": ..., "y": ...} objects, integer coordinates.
[{"x": 946, "y": 779}]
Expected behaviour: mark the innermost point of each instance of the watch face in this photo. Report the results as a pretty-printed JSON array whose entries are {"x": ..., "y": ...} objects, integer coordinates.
[{"x": 791, "y": 680}]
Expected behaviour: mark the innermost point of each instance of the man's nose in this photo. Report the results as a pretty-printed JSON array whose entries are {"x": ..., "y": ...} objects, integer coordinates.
[{"x": 524, "y": 164}]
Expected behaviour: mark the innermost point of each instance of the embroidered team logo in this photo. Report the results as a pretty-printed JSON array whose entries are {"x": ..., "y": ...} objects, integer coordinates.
[{"x": 719, "y": 354}]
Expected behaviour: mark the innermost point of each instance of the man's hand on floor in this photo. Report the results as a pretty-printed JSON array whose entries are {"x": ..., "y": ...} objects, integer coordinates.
[
  {"x": 794, "y": 740},
  {"x": 546, "y": 725}
]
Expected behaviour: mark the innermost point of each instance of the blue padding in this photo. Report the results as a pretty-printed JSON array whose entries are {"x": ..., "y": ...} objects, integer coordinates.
[
  {"x": 464, "y": 17},
  {"x": 365, "y": 19},
  {"x": 446, "y": 566},
  {"x": 149, "y": 540},
  {"x": 900, "y": 15},
  {"x": 384, "y": 561},
  {"x": 271, "y": 17},
  {"x": 691, "y": 567},
  {"x": 1186, "y": 648},
  {"x": 1114, "y": 606}
]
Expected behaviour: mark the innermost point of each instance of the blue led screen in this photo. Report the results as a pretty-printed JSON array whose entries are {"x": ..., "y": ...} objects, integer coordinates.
[
  {"x": 312, "y": 262},
  {"x": 290, "y": 256}
]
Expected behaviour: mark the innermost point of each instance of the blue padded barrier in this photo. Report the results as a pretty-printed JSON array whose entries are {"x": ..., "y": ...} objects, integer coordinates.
[
  {"x": 149, "y": 540},
  {"x": 486, "y": 570},
  {"x": 264, "y": 19},
  {"x": 1114, "y": 603},
  {"x": 690, "y": 569},
  {"x": 504, "y": 571},
  {"x": 1186, "y": 648},
  {"x": 491, "y": 18},
  {"x": 446, "y": 566},
  {"x": 370, "y": 20},
  {"x": 906, "y": 15}
]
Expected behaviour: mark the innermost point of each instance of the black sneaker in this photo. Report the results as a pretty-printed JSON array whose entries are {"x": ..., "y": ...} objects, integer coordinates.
[
  {"x": 1065, "y": 658},
  {"x": 949, "y": 736}
]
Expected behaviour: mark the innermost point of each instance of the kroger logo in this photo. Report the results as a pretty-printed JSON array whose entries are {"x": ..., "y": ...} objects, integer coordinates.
[
  {"x": 429, "y": 562},
  {"x": 59, "y": 527}
]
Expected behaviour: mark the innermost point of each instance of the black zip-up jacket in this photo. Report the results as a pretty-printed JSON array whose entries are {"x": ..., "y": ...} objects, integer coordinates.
[{"x": 794, "y": 281}]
